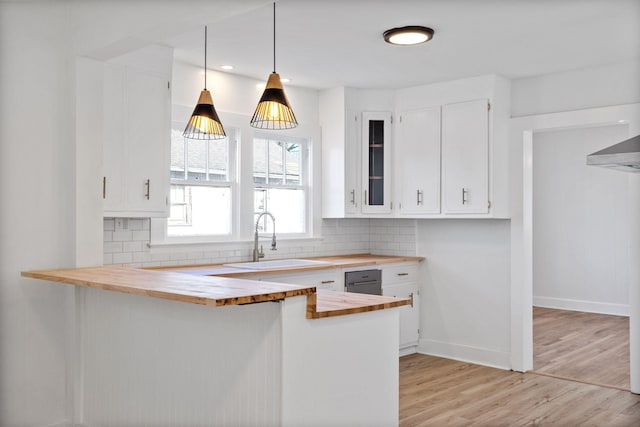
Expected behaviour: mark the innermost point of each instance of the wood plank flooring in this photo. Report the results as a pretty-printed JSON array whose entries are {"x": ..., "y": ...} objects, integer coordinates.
[
  {"x": 588, "y": 347},
  {"x": 441, "y": 392}
]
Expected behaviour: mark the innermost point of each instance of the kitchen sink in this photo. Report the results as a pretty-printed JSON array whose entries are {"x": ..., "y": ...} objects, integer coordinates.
[{"x": 276, "y": 263}]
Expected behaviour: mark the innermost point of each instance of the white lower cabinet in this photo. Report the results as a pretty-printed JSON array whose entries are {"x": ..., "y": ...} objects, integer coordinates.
[
  {"x": 398, "y": 280},
  {"x": 401, "y": 280},
  {"x": 409, "y": 314},
  {"x": 331, "y": 280}
]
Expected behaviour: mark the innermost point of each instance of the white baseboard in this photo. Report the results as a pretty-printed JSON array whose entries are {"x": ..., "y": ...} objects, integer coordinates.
[
  {"x": 408, "y": 350},
  {"x": 579, "y": 305},
  {"x": 464, "y": 353},
  {"x": 65, "y": 423}
]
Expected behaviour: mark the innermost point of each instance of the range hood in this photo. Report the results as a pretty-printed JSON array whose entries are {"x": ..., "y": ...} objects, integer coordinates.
[{"x": 623, "y": 156}]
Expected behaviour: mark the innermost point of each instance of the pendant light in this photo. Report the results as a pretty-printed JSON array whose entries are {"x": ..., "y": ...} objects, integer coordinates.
[
  {"x": 204, "y": 122},
  {"x": 273, "y": 110}
]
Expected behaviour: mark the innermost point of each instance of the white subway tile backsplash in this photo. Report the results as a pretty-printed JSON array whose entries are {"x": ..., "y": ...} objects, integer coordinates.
[
  {"x": 133, "y": 246},
  {"x": 122, "y": 236},
  {"x": 112, "y": 247},
  {"x": 107, "y": 259},
  {"x": 135, "y": 224},
  {"x": 123, "y": 258},
  {"x": 339, "y": 237},
  {"x": 140, "y": 235},
  {"x": 109, "y": 224}
]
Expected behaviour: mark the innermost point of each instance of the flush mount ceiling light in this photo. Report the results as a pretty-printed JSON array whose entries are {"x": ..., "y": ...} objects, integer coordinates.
[
  {"x": 409, "y": 35},
  {"x": 204, "y": 122},
  {"x": 273, "y": 110}
]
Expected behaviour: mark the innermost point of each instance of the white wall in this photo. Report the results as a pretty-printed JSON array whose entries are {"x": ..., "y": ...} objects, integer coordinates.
[
  {"x": 580, "y": 223},
  {"x": 465, "y": 294},
  {"x": 37, "y": 211},
  {"x": 614, "y": 84}
]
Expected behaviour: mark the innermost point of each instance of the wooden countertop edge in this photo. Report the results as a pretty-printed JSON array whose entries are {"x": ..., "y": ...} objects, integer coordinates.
[
  {"x": 314, "y": 314},
  {"x": 173, "y": 296},
  {"x": 320, "y": 304}
]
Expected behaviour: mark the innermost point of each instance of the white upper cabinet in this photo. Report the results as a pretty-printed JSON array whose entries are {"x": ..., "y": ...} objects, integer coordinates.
[
  {"x": 352, "y": 157},
  {"x": 449, "y": 157},
  {"x": 474, "y": 143},
  {"x": 341, "y": 111},
  {"x": 417, "y": 162},
  {"x": 465, "y": 157},
  {"x": 136, "y": 133},
  {"x": 376, "y": 162}
]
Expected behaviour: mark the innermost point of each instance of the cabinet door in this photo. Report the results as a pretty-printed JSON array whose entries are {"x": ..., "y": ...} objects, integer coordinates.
[
  {"x": 148, "y": 124},
  {"x": 465, "y": 157},
  {"x": 113, "y": 137},
  {"x": 409, "y": 314},
  {"x": 376, "y": 156},
  {"x": 352, "y": 163},
  {"x": 136, "y": 138},
  {"x": 326, "y": 279},
  {"x": 417, "y": 162}
]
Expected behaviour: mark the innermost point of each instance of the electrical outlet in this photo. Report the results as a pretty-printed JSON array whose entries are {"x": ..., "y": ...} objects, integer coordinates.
[{"x": 122, "y": 224}]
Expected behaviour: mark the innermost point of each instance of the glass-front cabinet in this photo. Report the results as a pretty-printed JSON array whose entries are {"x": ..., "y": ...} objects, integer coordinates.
[{"x": 376, "y": 156}]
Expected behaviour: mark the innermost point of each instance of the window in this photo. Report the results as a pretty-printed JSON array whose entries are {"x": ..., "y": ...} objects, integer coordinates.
[
  {"x": 201, "y": 185},
  {"x": 280, "y": 182}
]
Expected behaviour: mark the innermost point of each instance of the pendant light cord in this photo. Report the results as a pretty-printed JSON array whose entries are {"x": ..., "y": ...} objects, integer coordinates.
[
  {"x": 205, "y": 57},
  {"x": 274, "y": 37}
]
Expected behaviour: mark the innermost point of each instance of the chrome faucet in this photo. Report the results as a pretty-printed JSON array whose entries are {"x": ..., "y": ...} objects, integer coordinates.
[{"x": 257, "y": 254}]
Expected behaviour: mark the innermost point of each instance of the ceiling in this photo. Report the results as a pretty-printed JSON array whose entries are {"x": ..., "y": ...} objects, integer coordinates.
[{"x": 329, "y": 43}]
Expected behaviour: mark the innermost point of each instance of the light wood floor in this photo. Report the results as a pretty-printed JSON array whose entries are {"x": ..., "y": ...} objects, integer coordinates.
[
  {"x": 441, "y": 392},
  {"x": 588, "y": 347}
]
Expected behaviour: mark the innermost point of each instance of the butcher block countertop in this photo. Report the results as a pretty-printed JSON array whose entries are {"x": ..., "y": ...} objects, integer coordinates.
[
  {"x": 340, "y": 261},
  {"x": 200, "y": 288}
]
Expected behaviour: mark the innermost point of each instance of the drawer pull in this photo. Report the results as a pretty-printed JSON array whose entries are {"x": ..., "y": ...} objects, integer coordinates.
[
  {"x": 324, "y": 282},
  {"x": 403, "y": 274}
]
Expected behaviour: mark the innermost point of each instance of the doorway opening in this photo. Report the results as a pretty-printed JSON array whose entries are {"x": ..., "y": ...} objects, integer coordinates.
[{"x": 580, "y": 258}]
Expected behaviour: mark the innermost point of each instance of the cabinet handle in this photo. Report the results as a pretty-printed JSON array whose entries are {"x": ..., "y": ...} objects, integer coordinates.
[
  {"x": 148, "y": 185},
  {"x": 465, "y": 193},
  {"x": 324, "y": 282},
  {"x": 353, "y": 197},
  {"x": 411, "y": 296},
  {"x": 104, "y": 187},
  {"x": 418, "y": 197},
  {"x": 365, "y": 197},
  {"x": 403, "y": 274}
]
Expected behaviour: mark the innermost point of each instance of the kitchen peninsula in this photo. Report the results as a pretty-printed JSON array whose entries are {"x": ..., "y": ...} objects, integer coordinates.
[{"x": 168, "y": 348}]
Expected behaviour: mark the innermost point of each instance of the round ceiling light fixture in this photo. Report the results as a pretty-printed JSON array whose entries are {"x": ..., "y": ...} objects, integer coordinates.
[{"x": 408, "y": 35}]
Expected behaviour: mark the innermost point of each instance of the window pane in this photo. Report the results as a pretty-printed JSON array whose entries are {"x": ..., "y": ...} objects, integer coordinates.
[
  {"x": 197, "y": 210},
  {"x": 276, "y": 168},
  {"x": 196, "y": 159},
  {"x": 259, "y": 161},
  {"x": 177, "y": 154},
  {"x": 218, "y": 160},
  {"x": 293, "y": 160},
  {"x": 286, "y": 205}
]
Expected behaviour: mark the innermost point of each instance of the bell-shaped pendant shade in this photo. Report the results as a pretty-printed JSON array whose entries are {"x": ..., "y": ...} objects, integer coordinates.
[
  {"x": 204, "y": 122},
  {"x": 273, "y": 110}
]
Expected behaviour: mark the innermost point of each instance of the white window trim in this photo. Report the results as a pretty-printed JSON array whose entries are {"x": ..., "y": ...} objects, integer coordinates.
[{"x": 242, "y": 229}]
